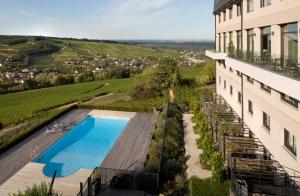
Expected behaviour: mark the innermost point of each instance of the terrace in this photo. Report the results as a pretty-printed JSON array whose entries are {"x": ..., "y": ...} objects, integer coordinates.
[
  {"x": 127, "y": 153},
  {"x": 283, "y": 66},
  {"x": 250, "y": 165}
]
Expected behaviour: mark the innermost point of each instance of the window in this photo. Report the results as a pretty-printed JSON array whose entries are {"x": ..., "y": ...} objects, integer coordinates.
[
  {"x": 239, "y": 9},
  {"x": 250, "y": 79},
  {"x": 240, "y": 97},
  {"x": 219, "y": 16},
  {"x": 231, "y": 90},
  {"x": 239, "y": 41},
  {"x": 230, "y": 69},
  {"x": 230, "y": 37},
  {"x": 266, "y": 120},
  {"x": 224, "y": 43},
  {"x": 266, "y": 41},
  {"x": 290, "y": 100},
  {"x": 250, "y": 6},
  {"x": 230, "y": 13},
  {"x": 289, "y": 43},
  {"x": 265, "y": 88},
  {"x": 290, "y": 142},
  {"x": 224, "y": 84},
  {"x": 264, "y": 3},
  {"x": 250, "y": 41},
  {"x": 250, "y": 107},
  {"x": 220, "y": 80},
  {"x": 224, "y": 16}
]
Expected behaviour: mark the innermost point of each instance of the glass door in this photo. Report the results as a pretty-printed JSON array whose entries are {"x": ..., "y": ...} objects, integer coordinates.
[
  {"x": 289, "y": 42},
  {"x": 266, "y": 43}
]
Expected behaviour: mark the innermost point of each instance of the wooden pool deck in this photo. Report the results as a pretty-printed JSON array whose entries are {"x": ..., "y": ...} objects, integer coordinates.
[
  {"x": 132, "y": 146},
  {"x": 17, "y": 171}
]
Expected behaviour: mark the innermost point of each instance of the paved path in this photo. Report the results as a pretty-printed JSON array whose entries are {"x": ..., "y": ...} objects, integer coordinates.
[
  {"x": 191, "y": 150},
  {"x": 32, "y": 173}
]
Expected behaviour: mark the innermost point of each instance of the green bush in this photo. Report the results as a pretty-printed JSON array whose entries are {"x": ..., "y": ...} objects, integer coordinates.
[
  {"x": 208, "y": 187},
  {"x": 208, "y": 149},
  {"x": 218, "y": 169},
  {"x": 173, "y": 159},
  {"x": 199, "y": 143},
  {"x": 35, "y": 190}
]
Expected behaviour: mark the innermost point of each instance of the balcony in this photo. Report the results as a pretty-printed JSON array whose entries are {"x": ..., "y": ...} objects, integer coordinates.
[
  {"x": 281, "y": 74},
  {"x": 283, "y": 66},
  {"x": 215, "y": 55}
]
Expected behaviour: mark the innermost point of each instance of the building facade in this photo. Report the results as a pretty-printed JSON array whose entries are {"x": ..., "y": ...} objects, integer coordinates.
[{"x": 258, "y": 70}]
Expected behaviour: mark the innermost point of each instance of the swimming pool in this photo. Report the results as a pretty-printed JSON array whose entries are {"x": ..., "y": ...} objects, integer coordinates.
[{"x": 84, "y": 146}]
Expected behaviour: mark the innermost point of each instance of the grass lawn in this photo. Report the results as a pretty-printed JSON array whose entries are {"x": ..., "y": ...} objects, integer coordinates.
[
  {"x": 123, "y": 102},
  {"x": 191, "y": 72},
  {"x": 17, "y": 107}
]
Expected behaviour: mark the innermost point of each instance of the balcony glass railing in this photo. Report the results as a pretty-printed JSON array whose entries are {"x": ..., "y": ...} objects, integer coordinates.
[{"x": 284, "y": 66}]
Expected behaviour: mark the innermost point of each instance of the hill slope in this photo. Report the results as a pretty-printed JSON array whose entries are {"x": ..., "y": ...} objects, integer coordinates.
[{"x": 42, "y": 51}]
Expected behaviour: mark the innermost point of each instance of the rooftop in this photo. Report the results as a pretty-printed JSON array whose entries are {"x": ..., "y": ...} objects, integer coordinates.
[{"x": 220, "y": 3}]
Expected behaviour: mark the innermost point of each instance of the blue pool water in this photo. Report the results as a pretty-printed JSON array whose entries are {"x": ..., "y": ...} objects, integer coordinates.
[{"x": 85, "y": 146}]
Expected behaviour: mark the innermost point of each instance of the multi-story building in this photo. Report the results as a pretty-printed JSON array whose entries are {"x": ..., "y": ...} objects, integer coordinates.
[{"x": 258, "y": 70}]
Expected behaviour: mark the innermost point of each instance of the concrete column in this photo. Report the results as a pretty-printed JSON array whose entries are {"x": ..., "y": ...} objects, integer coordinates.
[
  {"x": 276, "y": 41},
  {"x": 256, "y": 5},
  {"x": 234, "y": 11},
  {"x": 299, "y": 42},
  {"x": 257, "y": 41},
  {"x": 217, "y": 42},
  {"x": 222, "y": 16},
  {"x": 244, "y": 7}
]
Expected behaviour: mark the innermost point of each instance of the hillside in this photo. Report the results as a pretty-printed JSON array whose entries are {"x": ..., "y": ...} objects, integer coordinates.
[{"x": 19, "y": 52}]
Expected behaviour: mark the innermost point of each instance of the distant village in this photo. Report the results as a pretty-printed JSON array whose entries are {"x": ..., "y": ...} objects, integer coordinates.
[{"x": 14, "y": 72}]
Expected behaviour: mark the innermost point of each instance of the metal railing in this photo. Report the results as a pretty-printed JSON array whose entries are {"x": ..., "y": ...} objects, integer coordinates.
[
  {"x": 251, "y": 166},
  {"x": 284, "y": 66},
  {"x": 118, "y": 179}
]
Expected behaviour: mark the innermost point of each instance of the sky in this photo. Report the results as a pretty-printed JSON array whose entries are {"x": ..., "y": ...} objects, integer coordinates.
[{"x": 109, "y": 19}]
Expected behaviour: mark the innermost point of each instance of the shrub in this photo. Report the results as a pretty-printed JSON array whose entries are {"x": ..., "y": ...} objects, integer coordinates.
[
  {"x": 208, "y": 149},
  {"x": 218, "y": 169},
  {"x": 35, "y": 190},
  {"x": 199, "y": 143},
  {"x": 207, "y": 187},
  {"x": 122, "y": 180}
]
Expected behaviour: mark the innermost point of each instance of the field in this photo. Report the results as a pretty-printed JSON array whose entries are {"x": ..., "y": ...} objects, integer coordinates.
[
  {"x": 123, "y": 102},
  {"x": 17, "y": 107},
  {"x": 191, "y": 72},
  {"x": 76, "y": 49}
]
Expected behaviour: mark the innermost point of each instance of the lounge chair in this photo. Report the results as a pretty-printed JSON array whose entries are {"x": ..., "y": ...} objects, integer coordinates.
[{"x": 53, "y": 130}]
